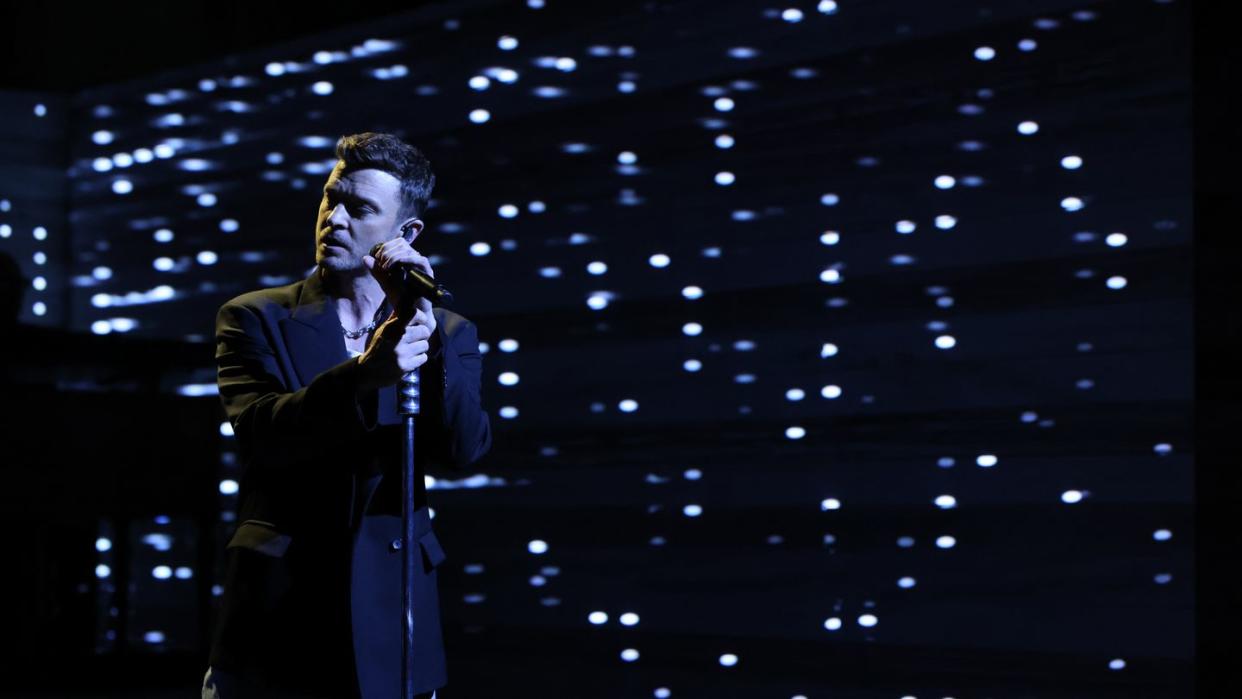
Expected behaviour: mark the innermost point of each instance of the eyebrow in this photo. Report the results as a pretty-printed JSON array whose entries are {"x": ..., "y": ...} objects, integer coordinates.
[{"x": 339, "y": 192}]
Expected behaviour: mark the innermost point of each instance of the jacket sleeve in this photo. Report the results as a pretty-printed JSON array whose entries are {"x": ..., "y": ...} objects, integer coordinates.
[
  {"x": 276, "y": 427},
  {"x": 464, "y": 428}
]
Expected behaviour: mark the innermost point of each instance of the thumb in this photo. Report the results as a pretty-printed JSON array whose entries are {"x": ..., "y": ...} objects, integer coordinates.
[{"x": 368, "y": 261}]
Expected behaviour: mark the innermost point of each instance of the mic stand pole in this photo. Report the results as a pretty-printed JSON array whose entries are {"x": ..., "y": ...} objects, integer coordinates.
[{"x": 408, "y": 405}]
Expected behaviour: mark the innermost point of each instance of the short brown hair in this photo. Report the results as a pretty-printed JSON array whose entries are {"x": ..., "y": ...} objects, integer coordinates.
[{"x": 386, "y": 152}]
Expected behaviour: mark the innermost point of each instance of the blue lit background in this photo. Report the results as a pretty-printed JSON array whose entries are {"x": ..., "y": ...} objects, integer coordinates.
[{"x": 822, "y": 343}]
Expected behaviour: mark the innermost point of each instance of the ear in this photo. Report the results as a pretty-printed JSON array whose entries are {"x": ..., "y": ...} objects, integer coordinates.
[{"x": 411, "y": 228}]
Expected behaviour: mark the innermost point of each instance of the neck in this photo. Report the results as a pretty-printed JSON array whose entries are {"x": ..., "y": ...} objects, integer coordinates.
[{"x": 356, "y": 297}]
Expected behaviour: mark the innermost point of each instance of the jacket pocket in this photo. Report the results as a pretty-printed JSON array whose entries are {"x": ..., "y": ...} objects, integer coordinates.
[{"x": 260, "y": 536}]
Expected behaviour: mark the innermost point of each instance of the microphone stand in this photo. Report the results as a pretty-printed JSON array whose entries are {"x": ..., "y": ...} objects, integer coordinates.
[{"x": 408, "y": 407}]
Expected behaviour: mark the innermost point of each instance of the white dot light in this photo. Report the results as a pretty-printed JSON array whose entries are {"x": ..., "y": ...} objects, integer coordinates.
[
  {"x": 1071, "y": 162},
  {"x": 692, "y": 329},
  {"x": 725, "y": 178},
  {"x": 794, "y": 432},
  {"x": 728, "y": 660},
  {"x": 985, "y": 53},
  {"x": 723, "y": 104},
  {"x": 598, "y": 618},
  {"x": 479, "y": 116},
  {"x": 537, "y": 547},
  {"x": 508, "y": 378},
  {"x": 1028, "y": 128},
  {"x": 658, "y": 260},
  {"x": 986, "y": 460}
]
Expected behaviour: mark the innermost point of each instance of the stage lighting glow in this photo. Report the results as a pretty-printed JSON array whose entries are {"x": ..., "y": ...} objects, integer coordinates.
[
  {"x": 1028, "y": 128},
  {"x": 985, "y": 53},
  {"x": 122, "y": 186},
  {"x": 945, "y": 542},
  {"x": 1116, "y": 283},
  {"x": 629, "y": 655},
  {"x": 830, "y": 276},
  {"x": 867, "y": 620},
  {"x": 507, "y": 43},
  {"x": 723, "y": 104},
  {"x": 183, "y": 573},
  {"x": 945, "y": 182},
  {"x": 1162, "y": 535},
  {"x": 101, "y": 164},
  {"x": 692, "y": 365},
  {"x": 692, "y": 510},
  {"x": 827, "y": 7},
  {"x": 322, "y": 88},
  {"x": 164, "y": 151},
  {"x": 946, "y": 342},
  {"x": 1163, "y": 449},
  {"x": 832, "y": 623},
  {"x": 479, "y": 83},
  {"x": 905, "y": 227},
  {"x": 946, "y": 502},
  {"x": 537, "y": 546},
  {"x": 945, "y": 222},
  {"x": 480, "y": 116},
  {"x": 692, "y": 293},
  {"x": 206, "y": 199},
  {"x": 725, "y": 178},
  {"x": 986, "y": 460},
  {"x": 628, "y": 405},
  {"x": 658, "y": 260},
  {"x": 828, "y": 350},
  {"x": 508, "y": 412},
  {"x": 508, "y": 378},
  {"x": 1072, "y": 204},
  {"x": 102, "y": 138},
  {"x": 692, "y": 329},
  {"x": 102, "y": 571},
  {"x": 1115, "y": 240},
  {"x": 728, "y": 660},
  {"x": 40, "y": 258},
  {"x": 161, "y": 572},
  {"x": 479, "y": 249},
  {"x": 795, "y": 394},
  {"x": 1071, "y": 162},
  {"x": 549, "y": 272},
  {"x": 597, "y": 267}
]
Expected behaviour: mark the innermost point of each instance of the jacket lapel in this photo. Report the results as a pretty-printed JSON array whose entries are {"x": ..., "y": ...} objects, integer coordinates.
[{"x": 312, "y": 332}]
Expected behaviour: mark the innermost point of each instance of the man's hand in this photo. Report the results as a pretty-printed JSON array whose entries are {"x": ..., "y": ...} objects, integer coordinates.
[
  {"x": 381, "y": 267},
  {"x": 401, "y": 343}
]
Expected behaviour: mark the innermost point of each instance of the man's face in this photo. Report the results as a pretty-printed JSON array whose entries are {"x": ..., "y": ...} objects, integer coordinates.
[{"x": 359, "y": 209}]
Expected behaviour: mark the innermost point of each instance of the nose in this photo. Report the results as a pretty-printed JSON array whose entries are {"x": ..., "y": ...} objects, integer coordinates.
[{"x": 338, "y": 216}]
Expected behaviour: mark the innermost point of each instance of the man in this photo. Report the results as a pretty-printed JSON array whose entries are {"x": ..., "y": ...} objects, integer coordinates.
[{"x": 312, "y": 601}]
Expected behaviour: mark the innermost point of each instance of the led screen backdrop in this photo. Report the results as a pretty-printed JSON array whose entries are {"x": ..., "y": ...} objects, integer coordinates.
[{"x": 822, "y": 342}]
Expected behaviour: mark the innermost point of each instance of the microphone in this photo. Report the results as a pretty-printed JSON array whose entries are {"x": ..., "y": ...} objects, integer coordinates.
[{"x": 415, "y": 282}]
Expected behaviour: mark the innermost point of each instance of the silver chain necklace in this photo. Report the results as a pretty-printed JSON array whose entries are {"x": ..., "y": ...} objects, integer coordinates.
[{"x": 355, "y": 334}]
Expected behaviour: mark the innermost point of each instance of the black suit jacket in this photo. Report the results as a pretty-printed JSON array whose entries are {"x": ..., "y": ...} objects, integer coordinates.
[{"x": 312, "y": 594}]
